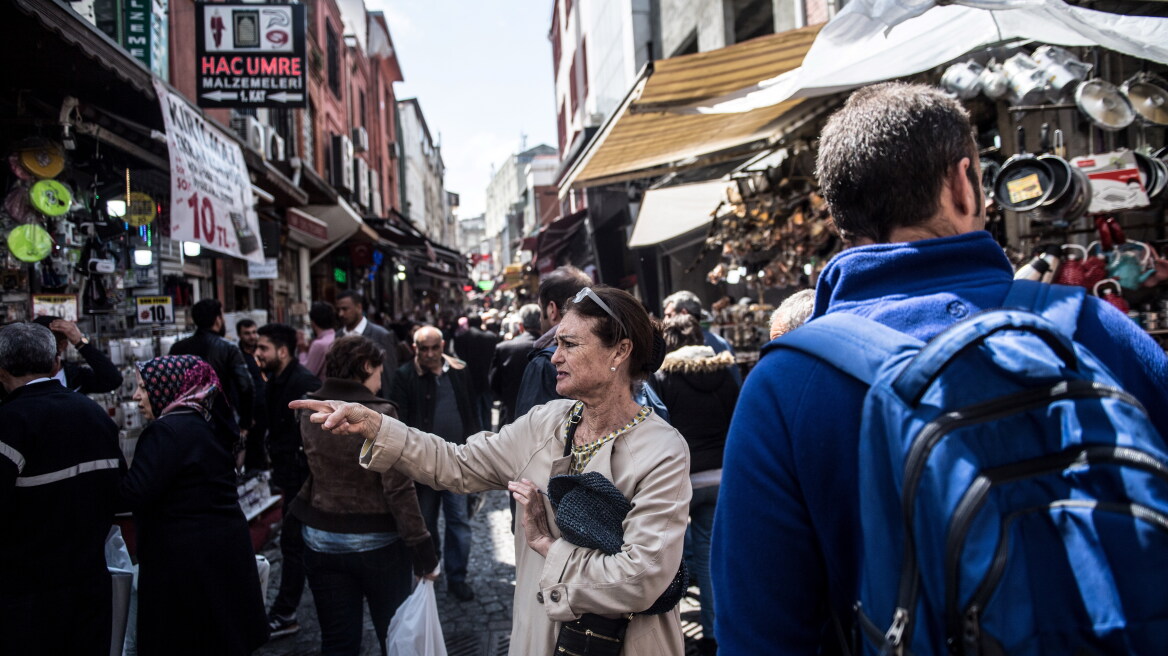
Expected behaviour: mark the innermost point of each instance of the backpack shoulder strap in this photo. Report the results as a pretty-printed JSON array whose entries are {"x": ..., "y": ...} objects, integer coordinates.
[
  {"x": 1058, "y": 304},
  {"x": 855, "y": 345}
]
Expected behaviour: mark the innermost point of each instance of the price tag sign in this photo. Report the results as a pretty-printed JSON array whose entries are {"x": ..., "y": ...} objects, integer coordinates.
[
  {"x": 55, "y": 305},
  {"x": 155, "y": 309}
]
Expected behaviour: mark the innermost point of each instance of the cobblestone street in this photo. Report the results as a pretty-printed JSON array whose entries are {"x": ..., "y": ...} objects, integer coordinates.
[{"x": 480, "y": 627}]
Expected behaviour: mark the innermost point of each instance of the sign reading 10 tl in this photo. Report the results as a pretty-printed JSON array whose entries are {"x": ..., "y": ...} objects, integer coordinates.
[{"x": 155, "y": 309}]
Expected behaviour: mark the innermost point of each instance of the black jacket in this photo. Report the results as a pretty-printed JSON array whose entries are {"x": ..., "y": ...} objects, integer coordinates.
[
  {"x": 98, "y": 374},
  {"x": 284, "y": 444},
  {"x": 700, "y": 391},
  {"x": 227, "y": 361},
  {"x": 507, "y": 371},
  {"x": 198, "y": 577},
  {"x": 56, "y": 518},
  {"x": 476, "y": 347},
  {"x": 414, "y": 392}
]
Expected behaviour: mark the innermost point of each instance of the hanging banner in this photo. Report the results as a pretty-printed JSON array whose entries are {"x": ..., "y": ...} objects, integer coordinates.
[
  {"x": 251, "y": 55},
  {"x": 211, "y": 202}
]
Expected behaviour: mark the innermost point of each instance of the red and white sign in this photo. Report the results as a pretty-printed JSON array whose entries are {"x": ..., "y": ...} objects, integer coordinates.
[
  {"x": 1115, "y": 181},
  {"x": 211, "y": 202}
]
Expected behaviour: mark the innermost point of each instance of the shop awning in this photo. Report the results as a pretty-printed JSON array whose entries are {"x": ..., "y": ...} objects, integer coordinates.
[
  {"x": 305, "y": 229},
  {"x": 555, "y": 236},
  {"x": 644, "y": 137},
  {"x": 673, "y": 211},
  {"x": 342, "y": 221},
  {"x": 874, "y": 40}
]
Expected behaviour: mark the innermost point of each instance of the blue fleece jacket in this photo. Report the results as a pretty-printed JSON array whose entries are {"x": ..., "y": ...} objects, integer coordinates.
[{"x": 786, "y": 536}]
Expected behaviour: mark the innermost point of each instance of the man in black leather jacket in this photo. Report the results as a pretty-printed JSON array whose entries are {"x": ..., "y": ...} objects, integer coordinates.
[
  {"x": 223, "y": 356},
  {"x": 288, "y": 380}
]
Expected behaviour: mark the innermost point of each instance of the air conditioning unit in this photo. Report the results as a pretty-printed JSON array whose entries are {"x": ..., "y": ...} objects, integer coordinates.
[
  {"x": 342, "y": 164},
  {"x": 277, "y": 150},
  {"x": 361, "y": 189},
  {"x": 360, "y": 139},
  {"x": 251, "y": 131},
  {"x": 375, "y": 192}
]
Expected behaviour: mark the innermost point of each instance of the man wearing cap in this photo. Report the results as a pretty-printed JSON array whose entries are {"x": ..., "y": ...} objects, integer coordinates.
[{"x": 96, "y": 375}]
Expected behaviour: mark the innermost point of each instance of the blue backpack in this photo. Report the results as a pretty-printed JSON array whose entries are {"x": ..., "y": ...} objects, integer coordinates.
[{"x": 1013, "y": 499}]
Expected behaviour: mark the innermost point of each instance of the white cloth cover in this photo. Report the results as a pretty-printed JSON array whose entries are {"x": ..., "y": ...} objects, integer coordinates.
[{"x": 874, "y": 40}]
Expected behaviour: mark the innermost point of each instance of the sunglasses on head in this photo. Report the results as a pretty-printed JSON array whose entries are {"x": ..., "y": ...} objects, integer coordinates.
[{"x": 588, "y": 293}]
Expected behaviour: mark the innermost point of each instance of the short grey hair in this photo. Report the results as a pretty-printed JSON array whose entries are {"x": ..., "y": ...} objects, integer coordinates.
[
  {"x": 529, "y": 316},
  {"x": 792, "y": 312},
  {"x": 684, "y": 300},
  {"x": 27, "y": 348}
]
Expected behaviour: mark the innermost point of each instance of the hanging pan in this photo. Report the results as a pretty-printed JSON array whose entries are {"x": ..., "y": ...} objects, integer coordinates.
[
  {"x": 1071, "y": 202},
  {"x": 1024, "y": 183},
  {"x": 1148, "y": 97},
  {"x": 1102, "y": 102}
]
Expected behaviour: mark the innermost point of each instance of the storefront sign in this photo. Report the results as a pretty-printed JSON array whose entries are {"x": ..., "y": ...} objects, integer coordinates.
[
  {"x": 55, "y": 305},
  {"x": 250, "y": 55},
  {"x": 307, "y": 225},
  {"x": 145, "y": 33},
  {"x": 211, "y": 202},
  {"x": 155, "y": 309},
  {"x": 268, "y": 270}
]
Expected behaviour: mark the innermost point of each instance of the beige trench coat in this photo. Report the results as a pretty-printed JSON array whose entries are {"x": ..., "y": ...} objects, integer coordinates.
[{"x": 649, "y": 464}]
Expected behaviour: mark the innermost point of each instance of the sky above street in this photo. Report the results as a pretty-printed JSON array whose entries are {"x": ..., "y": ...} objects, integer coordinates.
[{"x": 482, "y": 72}]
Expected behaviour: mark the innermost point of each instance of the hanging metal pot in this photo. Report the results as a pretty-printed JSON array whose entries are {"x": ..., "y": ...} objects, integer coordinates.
[
  {"x": 1151, "y": 173},
  {"x": 1063, "y": 70},
  {"x": 1025, "y": 182},
  {"x": 1060, "y": 181},
  {"x": 1027, "y": 82},
  {"x": 963, "y": 79}
]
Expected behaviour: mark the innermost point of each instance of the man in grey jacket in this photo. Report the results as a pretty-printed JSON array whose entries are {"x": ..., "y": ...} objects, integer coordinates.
[{"x": 351, "y": 310}]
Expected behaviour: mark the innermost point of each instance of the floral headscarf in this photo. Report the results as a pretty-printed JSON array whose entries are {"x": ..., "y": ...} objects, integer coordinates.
[{"x": 176, "y": 382}]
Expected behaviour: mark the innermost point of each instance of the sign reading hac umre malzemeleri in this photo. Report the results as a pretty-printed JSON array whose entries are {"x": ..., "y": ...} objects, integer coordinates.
[
  {"x": 250, "y": 55},
  {"x": 211, "y": 201}
]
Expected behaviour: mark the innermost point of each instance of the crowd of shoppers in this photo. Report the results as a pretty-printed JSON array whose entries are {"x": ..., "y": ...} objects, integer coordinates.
[{"x": 749, "y": 487}]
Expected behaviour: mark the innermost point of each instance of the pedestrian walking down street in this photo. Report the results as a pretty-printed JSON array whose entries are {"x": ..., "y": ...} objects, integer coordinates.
[
  {"x": 288, "y": 380},
  {"x": 198, "y": 586},
  {"x": 605, "y": 347},
  {"x": 899, "y": 170},
  {"x": 476, "y": 347},
  {"x": 60, "y": 467},
  {"x": 323, "y": 318},
  {"x": 351, "y": 313},
  {"x": 687, "y": 303},
  {"x": 255, "y": 448},
  {"x": 511, "y": 360},
  {"x": 432, "y": 394},
  {"x": 701, "y": 390},
  {"x": 223, "y": 356},
  {"x": 364, "y": 534}
]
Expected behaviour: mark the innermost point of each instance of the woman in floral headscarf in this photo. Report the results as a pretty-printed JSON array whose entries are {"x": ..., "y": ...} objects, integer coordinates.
[{"x": 198, "y": 588}]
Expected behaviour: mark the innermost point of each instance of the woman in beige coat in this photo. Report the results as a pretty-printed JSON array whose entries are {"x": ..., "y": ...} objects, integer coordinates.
[{"x": 605, "y": 345}]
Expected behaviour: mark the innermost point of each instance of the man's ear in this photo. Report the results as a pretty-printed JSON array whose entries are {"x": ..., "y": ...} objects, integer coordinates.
[
  {"x": 967, "y": 197},
  {"x": 553, "y": 312}
]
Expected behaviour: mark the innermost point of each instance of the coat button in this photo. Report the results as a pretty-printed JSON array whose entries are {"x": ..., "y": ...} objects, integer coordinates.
[
  {"x": 957, "y": 309},
  {"x": 555, "y": 596},
  {"x": 539, "y": 597}
]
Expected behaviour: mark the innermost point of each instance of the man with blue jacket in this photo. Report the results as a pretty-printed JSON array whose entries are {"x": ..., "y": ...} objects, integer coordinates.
[{"x": 899, "y": 169}]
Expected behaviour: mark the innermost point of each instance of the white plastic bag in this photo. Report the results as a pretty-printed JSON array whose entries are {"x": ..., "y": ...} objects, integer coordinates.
[{"x": 415, "y": 629}]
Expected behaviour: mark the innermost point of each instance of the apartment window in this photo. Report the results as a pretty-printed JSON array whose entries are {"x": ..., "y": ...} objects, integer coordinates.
[
  {"x": 556, "y": 39},
  {"x": 306, "y": 134},
  {"x": 584, "y": 65},
  {"x": 567, "y": 9},
  {"x": 333, "y": 46},
  {"x": 753, "y": 18},
  {"x": 562, "y": 128},
  {"x": 572, "y": 87},
  {"x": 361, "y": 109},
  {"x": 687, "y": 47}
]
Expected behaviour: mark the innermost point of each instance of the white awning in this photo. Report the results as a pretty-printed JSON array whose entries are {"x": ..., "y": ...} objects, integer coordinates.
[
  {"x": 342, "y": 220},
  {"x": 874, "y": 40},
  {"x": 673, "y": 211}
]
